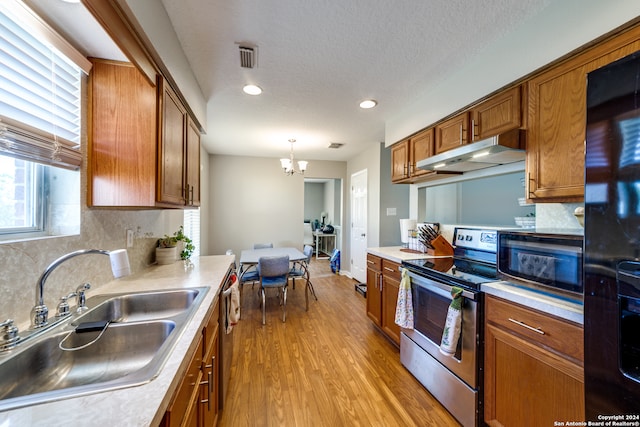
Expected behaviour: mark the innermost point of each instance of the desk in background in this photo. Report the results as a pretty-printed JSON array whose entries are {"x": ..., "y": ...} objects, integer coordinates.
[{"x": 321, "y": 243}]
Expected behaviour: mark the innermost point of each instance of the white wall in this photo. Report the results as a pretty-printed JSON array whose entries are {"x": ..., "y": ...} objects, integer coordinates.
[{"x": 252, "y": 201}]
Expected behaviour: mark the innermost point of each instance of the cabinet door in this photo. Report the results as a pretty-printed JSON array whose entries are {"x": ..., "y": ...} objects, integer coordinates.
[
  {"x": 400, "y": 161},
  {"x": 374, "y": 297},
  {"x": 498, "y": 114},
  {"x": 526, "y": 385},
  {"x": 122, "y": 139},
  {"x": 171, "y": 188},
  {"x": 390, "y": 287},
  {"x": 452, "y": 133},
  {"x": 192, "y": 173},
  {"x": 421, "y": 147},
  {"x": 557, "y": 121}
]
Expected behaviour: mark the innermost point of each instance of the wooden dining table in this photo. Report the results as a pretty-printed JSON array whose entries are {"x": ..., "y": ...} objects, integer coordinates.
[{"x": 249, "y": 259}]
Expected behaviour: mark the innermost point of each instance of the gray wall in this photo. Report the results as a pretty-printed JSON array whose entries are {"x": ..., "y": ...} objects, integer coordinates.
[
  {"x": 313, "y": 200},
  {"x": 394, "y": 196}
]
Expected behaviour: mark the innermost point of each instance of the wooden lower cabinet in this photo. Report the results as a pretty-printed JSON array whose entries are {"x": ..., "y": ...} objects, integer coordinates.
[
  {"x": 195, "y": 402},
  {"x": 532, "y": 378},
  {"x": 383, "y": 282}
]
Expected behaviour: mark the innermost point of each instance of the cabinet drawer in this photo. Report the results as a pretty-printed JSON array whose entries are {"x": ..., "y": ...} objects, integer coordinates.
[
  {"x": 183, "y": 400},
  {"x": 556, "y": 334},
  {"x": 390, "y": 269},
  {"x": 374, "y": 262},
  {"x": 211, "y": 328}
]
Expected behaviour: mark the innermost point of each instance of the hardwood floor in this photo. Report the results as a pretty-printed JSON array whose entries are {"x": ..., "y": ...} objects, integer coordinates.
[{"x": 325, "y": 367}]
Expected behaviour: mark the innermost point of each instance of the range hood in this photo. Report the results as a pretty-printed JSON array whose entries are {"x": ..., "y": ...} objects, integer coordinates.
[{"x": 497, "y": 150}]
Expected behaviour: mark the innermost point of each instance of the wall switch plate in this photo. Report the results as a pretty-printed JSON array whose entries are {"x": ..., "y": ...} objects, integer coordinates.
[
  {"x": 129, "y": 238},
  {"x": 391, "y": 211}
]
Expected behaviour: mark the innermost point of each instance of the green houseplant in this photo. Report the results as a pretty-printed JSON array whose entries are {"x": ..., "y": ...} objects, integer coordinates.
[{"x": 187, "y": 244}]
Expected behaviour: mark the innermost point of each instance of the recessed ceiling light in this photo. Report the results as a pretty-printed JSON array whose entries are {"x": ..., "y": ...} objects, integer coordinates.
[
  {"x": 252, "y": 90},
  {"x": 368, "y": 103}
]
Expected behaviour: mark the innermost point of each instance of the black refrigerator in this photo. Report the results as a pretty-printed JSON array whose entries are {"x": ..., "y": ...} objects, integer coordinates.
[{"x": 612, "y": 241}]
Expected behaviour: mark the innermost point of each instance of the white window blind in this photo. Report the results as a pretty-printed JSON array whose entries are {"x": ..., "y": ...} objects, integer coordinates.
[
  {"x": 40, "y": 92},
  {"x": 192, "y": 228}
]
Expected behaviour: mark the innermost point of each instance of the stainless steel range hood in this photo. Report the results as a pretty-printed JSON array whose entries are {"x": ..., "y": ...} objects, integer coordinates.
[{"x": 497, "y": 150}]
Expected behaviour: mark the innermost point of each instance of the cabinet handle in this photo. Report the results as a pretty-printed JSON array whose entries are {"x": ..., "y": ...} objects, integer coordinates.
[
  {"x": 524, "y": 325},
  {"x": 370, "y": 262},
  {"x": 389, "y": 269},
  {"x": 209, "y": 381},
  {"x": 531, "y": 195},
  {"x": 191, "y": 193},
  {"x": 461, "y": 130},
  {"x": 473, "y": 130},
  {"x": 380, "y": 281}
]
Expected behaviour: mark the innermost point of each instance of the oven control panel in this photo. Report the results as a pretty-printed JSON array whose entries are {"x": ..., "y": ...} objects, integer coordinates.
[{"x": 476, "y": 238}]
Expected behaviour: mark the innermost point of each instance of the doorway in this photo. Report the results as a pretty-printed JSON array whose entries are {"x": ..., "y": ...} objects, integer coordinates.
[{"x": 359, "y": 226}]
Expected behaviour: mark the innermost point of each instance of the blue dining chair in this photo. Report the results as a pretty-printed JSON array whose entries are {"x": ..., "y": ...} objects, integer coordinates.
[{"x": 274, "y": 273}]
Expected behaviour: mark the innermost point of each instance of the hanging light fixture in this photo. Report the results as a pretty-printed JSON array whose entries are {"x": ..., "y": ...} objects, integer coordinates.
[{"x": 288, "y": 166}]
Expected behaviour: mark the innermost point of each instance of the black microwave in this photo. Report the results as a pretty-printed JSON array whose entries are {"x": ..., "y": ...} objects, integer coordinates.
[{"x": 539, "y": 258}]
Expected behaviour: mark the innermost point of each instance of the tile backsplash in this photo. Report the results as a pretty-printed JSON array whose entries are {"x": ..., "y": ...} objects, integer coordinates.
[{"x": 23, "y": 262}]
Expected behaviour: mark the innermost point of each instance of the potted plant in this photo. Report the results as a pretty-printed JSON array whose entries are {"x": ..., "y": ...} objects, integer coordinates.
[
  {"x": 186, "y": 246},
  {"x": 166, "y": 249}
]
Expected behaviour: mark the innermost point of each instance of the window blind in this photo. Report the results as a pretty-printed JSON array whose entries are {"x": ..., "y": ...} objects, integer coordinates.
[
  {"x": 40, "y": 94},
  {"x": 192, "y": 228}
]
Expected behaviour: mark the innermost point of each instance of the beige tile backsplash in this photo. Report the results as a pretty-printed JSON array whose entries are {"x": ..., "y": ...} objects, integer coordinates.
[{"x": 23, "y": 262}]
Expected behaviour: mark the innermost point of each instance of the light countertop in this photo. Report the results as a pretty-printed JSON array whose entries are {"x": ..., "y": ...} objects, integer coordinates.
[
  {"x": 540, "y": 300},
  {"x": 393, "y": 253},
  {"x": 145, "y": 404}
]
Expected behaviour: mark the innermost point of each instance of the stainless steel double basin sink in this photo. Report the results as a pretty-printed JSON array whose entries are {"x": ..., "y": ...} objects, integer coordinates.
[{"x": 121, "y": 341}]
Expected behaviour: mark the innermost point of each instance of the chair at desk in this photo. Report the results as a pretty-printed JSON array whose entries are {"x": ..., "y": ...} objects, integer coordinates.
[
  {"x": 308, "y": 238},
  {"x": 300, "y": 269},
  {"x": 274, "y": 273}
]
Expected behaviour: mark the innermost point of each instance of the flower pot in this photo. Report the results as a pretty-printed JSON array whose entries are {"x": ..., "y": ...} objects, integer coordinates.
[
  {"x": 166, "y": 255},
  {"x": 179, "y": 249}
]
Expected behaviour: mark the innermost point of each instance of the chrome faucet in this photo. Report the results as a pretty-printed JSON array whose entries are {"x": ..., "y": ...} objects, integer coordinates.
[{"x": 119, "y": 267}]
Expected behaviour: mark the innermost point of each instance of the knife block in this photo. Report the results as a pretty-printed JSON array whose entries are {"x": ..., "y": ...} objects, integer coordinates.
[{"x": 441, "y": 247}]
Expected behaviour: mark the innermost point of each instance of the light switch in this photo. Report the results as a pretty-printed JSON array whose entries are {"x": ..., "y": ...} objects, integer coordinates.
[{"x": 391, "y": 211}]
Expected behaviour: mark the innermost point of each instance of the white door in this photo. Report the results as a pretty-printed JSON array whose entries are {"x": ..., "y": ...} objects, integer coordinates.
[{"x": 359, "y": 226}]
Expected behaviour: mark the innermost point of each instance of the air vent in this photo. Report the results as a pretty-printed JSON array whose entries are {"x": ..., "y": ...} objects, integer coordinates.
[
  {"x": 247, "y": 57},
  {"x": 335, "y": 145}
]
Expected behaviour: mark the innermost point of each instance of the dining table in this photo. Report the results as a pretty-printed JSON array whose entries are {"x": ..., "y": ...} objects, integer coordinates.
[{"x": 249, "y": 259}]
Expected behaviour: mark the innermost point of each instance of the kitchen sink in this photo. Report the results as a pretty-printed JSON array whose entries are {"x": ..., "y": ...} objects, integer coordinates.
[
  {"x": 139, "y": 306},
  {"x": 122, "y": 341}
]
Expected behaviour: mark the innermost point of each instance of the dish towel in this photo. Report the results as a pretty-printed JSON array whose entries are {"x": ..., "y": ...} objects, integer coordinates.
[
  {"x": 404, "y": 306},
  {"x": 453, "y": 324},
  {"x": 233, "y": 305}
]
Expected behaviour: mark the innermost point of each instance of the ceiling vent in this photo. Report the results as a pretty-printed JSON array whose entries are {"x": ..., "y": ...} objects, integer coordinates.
[
  {"x": 248, "y": 56},
  {"x": 335, "y": 145}
]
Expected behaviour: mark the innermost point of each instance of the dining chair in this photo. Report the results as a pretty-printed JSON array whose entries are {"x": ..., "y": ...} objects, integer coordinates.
[
  {"x": 262, "y": 245},
  {"x": 274, "y": 273},
  {"x": 300, "y": 269}
]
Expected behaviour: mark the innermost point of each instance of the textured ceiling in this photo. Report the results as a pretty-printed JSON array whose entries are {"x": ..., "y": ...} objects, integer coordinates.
[{"x": 318, "y": 59}]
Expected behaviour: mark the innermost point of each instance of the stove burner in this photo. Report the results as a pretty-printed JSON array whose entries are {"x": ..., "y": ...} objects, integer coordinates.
[{"x": 459, "y": 271}]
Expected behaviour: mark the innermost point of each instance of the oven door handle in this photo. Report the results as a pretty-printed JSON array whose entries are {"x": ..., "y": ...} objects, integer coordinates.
[{"x": 439, "y": 288}]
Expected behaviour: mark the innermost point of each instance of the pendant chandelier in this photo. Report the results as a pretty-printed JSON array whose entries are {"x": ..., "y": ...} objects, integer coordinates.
[{"x": 288, "y": 165}]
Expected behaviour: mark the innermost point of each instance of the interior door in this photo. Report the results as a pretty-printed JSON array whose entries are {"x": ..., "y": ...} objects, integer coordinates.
[{"x": 359, "y": 226}]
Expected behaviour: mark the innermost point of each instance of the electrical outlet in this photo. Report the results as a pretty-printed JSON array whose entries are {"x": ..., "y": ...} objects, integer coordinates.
[{"x": 129, "y": 238}]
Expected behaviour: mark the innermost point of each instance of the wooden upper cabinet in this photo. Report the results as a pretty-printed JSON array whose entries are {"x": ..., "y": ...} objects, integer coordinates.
[
  {"x": 420, "y": 148},
  {"x": 400, "y": 161},
  {"x": 498, "y": 114},
  {"x": 122, "y": 136},
  {"x": 192, "y": 167},
  {"x": 452, "y": 133},
  {"x": 144, "y": 150},
  {"x": 557, "y": 121},
  {"x": 171, "y": 148},
  {"x": 405, "y": 155}
]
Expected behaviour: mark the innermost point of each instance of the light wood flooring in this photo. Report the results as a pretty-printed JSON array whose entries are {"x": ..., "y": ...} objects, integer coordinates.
[{"x": 326, "y": 367}]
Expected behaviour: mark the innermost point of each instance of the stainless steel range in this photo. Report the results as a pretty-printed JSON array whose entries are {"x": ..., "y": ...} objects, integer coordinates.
[{"x": 455, "y": 381}]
